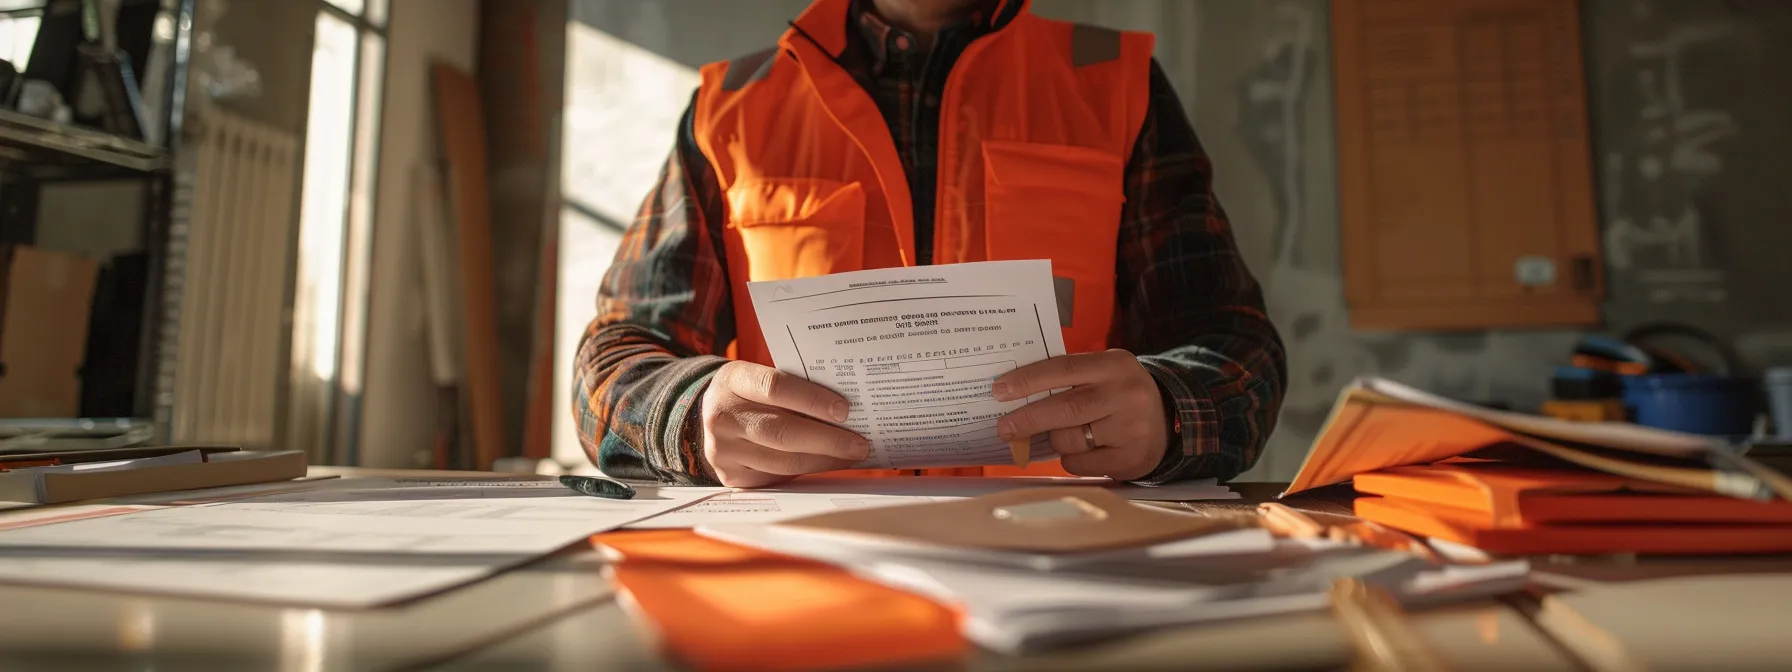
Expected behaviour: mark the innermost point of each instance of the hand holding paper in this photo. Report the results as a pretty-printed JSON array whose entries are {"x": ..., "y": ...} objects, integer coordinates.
[
  {"x": 1108, "y": 420},
  {"x": 763, "y": 426},
  {"x": 914, "y": 352}
]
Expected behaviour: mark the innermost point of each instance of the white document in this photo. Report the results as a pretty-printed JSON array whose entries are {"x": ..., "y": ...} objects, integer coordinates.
[
  {"x": 915, "y": 351},
  {"x": 351, "y": 546},
  {"x": 1223, "y": 576},
  {"x": 66, "y": 513},
  {"x": 851, "y": 549}
]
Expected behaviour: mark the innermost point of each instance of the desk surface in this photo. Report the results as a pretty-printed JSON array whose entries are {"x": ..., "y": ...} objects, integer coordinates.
[{"x": 558, "y": 614}]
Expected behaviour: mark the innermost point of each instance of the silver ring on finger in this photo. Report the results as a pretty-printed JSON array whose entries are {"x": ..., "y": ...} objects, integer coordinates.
[{"x": 1089, "y": 436}]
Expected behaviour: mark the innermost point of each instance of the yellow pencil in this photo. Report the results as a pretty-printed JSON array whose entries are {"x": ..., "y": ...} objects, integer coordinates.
[{"x": 1022, "y": 449}]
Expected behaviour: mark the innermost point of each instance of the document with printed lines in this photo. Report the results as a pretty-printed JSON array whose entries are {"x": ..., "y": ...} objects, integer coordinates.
[{"x": 915, "y": 350}]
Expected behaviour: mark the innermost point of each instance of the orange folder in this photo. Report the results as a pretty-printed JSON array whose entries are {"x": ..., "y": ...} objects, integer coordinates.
[
  {"x": 718, "y": 607},
  {"x": 1377, "y": 424},
  {"x": 1506, "y": 496},
  {"x": 1466, "y": 526}
]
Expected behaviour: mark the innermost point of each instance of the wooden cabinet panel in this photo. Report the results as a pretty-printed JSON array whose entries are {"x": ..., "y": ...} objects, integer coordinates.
[{"x": 1465, "y": 175}]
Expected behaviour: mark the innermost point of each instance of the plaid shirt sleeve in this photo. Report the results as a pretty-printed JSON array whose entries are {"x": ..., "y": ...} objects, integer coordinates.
[
  {"x": 664, "y": 317},
  {"x": 1189, "y": 307}
]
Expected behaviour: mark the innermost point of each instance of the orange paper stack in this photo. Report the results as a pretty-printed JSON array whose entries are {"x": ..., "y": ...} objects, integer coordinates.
[{"x": 1510, "y": 483}]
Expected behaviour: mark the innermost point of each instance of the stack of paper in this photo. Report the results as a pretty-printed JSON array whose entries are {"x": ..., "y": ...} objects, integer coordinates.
[
  {"x": 354, "y": 543},
  {"x": 1521, "y": 484},
  {"x": 1509, "y": 509},
  {"x": 1222, "y": 576},
  {"x": 29, "y": 479}
]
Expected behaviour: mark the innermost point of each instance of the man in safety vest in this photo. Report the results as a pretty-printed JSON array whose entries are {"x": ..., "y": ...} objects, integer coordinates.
[{"x": 884, "y": 133}]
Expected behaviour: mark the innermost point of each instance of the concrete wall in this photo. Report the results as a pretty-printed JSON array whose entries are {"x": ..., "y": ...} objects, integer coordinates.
[
  {"x": 400, "y": 412},
  {"x": 1255, "y": 78}
]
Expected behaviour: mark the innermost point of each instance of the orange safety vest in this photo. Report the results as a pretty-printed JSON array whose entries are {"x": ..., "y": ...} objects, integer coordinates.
[{"x": 1036, "y": 123}]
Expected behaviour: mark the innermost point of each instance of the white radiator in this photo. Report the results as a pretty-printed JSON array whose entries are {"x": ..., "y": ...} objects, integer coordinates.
[{"x": 239, "y": 251}]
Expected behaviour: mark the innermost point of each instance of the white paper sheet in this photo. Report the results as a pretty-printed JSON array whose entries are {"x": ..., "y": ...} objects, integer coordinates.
[
  {"x": 862, "y": 549},
  {"x": 915, "y": 351},
  {"x": 1224, "y": 576},
  {"x": 355, "y": 545}
]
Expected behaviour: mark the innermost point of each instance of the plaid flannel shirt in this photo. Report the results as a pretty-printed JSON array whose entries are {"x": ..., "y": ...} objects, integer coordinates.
[{"x": 1188, "y": 307}]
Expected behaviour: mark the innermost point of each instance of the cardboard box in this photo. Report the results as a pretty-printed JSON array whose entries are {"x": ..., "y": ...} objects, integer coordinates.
[{"x": 46, "y": 299}]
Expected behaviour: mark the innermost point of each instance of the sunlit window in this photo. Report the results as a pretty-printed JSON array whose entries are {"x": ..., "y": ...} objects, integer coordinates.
[
  {"x": 323, "y": 217},
  {"x": 18, "y": 31},
  {"x": 335, "y": 220},
  {"x": 623, "y": 103}
]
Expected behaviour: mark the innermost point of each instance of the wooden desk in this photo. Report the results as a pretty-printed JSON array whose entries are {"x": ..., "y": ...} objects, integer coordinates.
[
  {"x": 1488, "y": 636},
  {"x": 1483, "y": 636},
  {"x": 558, "y": 614}
]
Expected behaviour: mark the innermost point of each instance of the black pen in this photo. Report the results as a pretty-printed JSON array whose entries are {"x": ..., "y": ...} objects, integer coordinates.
[{"x": 597, "y": 486}]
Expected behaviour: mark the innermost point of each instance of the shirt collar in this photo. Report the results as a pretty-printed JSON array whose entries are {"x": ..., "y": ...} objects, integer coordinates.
[{"x": 885, "y": 42}]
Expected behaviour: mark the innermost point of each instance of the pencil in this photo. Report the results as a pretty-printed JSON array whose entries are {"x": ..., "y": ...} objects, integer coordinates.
[
  {"x": 1290, "y": 523},
  {"x": 1022, "y": 449}
]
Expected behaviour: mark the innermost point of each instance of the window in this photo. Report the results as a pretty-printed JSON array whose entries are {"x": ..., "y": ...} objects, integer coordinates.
[
  {"x": 335, "y": 222},
  {"x": 18, "y": 31},
  {"x": 623, "y": 105}
]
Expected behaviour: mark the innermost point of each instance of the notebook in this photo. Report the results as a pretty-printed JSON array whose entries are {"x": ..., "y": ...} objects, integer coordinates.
[
  {"x": 1501, "y": 495},
  {"x": 1467, "y": 526}
]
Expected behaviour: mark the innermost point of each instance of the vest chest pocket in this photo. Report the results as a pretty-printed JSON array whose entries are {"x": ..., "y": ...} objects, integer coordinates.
[
  {"x": 798, "y": 227},
  {"x": 1061, "y": 203}
]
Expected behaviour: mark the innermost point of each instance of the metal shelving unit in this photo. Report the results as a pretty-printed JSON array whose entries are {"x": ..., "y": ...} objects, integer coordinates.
[
  {"x": 34, "y": 150},
  {"x": 37, "y": 150}
]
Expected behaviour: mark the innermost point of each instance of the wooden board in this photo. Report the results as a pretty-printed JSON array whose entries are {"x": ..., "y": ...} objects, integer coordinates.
[
  {"x": 511, "y": 77},
  {"x": 1465, "y": 175},
  {"x": 461, "y": 129},
  {"x": 538, "y": 422}
]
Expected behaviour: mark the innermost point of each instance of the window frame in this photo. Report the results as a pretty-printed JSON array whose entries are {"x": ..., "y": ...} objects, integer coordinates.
[{"x": 324, "y": 414}]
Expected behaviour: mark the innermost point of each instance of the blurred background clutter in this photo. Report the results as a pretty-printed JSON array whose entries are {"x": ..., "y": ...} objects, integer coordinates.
[{"x": 373, "y": 230}]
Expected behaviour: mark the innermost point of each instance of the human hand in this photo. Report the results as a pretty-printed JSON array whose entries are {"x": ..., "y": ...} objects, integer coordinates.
[
  {"x": 760, "y": 427},
  {"x": 1110, "y": 393}
]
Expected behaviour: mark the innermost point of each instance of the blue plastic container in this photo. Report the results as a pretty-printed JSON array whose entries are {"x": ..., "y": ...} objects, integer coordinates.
[
  {"x": 1692, "y": 403},
  {"x": 1779, "y": 399}
]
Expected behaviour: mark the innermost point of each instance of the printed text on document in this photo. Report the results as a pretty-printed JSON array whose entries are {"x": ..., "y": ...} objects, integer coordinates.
[{"x": 915, "y": 350}]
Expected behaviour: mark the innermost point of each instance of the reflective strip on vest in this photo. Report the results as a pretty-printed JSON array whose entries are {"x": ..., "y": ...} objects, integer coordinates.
[{"x": 1093, "y": 45}]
